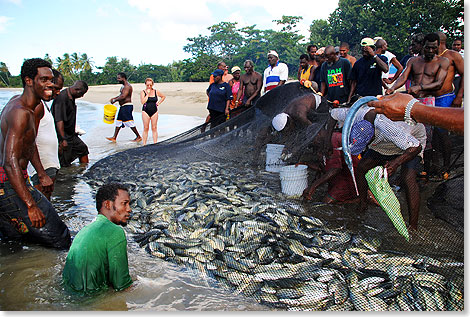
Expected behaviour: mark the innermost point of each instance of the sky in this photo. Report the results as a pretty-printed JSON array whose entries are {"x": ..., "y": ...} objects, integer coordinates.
[{"x": 144, "y": 31}]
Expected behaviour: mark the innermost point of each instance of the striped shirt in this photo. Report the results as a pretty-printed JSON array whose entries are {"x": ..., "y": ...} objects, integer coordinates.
[
  {"x": 273, "y": 75},
  {"x": 391, "y": 137}
]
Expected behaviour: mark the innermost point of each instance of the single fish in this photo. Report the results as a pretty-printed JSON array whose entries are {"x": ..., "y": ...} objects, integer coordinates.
[{"x": 348, "y": 122}]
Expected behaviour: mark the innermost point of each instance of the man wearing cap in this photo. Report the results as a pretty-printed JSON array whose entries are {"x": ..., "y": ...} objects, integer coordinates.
[
  {"x": 220, "y": 95},
  {"x": 366, "y": 75},
  {"x": 294, "y": 119},
  {"x": 275, "y": 74},
  {"x": 393, "y": 144},
  {"x": 334, "y": 76}
]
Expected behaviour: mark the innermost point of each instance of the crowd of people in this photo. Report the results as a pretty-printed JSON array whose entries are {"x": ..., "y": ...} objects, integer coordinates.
[
  {"x": 39, "y": 135},
  {"x": 400, "y": 130}
]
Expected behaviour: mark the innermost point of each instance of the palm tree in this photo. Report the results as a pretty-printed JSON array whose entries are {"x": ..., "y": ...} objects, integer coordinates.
[{"x": 64, "y": 65}]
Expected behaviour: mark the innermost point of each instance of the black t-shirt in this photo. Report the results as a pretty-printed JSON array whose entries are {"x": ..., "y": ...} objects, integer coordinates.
[
  {"x": 218, "y": 96},
  {"x": 335, "y": 77},
  {"x": 368, "y": 76},
  {"x": 64, "y": 109}
]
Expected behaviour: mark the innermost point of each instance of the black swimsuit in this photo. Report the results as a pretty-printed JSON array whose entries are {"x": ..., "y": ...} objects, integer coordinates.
[{"x": 150, "y": 107}]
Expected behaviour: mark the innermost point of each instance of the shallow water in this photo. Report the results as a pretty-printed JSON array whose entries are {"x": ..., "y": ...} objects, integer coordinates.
[{"x": 30, "y": 275}]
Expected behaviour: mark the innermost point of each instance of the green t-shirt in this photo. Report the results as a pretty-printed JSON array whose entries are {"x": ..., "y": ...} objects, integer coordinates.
[{"x": 97, "y": 258}]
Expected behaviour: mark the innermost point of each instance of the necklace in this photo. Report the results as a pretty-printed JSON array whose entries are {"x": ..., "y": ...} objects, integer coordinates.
[{"x": 443, "y": 52}]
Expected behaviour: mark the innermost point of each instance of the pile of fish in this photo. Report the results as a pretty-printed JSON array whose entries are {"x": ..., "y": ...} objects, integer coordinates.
[{"x": 228, "y": 224}]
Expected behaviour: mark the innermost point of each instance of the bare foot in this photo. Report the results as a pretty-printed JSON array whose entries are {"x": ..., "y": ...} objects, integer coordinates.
[
  {"x": 137, "y": 139},
  {"x": 111, "y": 139}
]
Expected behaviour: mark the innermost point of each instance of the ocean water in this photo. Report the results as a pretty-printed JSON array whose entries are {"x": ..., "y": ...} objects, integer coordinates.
[{"x": 30, "y": 276}]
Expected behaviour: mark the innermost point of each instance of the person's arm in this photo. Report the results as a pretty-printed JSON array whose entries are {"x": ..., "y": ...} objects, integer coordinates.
[
  {"x": 12, "y": 150},
  {"x": 409, "y": 154},
  {"x": 399, "y": 68},
  {"x": 144, "y": 96},
  {"x": 459, "y": 67},
  {"x": 394, "y": 106},
  {"x": 353, "y": 89},
  {"x": 284, "y": 74},
  {"x": 119, "y": 276},
  {"x": 123, "y": 95},
  {"x": 312, "y": 73},
  {"x": 401, "y": 78},
  {"x": 161, "y": 96},
  {"x": 228, "y": 98},
  {"x": 329, "y": 175},
  {"x": 298, "y": 73},
  {"x": 382, "y": 65}
]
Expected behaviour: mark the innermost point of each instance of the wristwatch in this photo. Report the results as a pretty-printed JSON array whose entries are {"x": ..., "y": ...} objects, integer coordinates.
[{"x": 407, "y": 118}]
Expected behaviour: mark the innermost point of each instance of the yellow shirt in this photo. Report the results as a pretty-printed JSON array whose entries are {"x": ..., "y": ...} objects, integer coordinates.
[{"x": 306, "y": 74}]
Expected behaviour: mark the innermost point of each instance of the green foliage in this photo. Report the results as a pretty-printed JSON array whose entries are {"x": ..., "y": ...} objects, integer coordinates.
[
  {"x": 4, "y": 75},
  {"x": 394, "y": 20}
]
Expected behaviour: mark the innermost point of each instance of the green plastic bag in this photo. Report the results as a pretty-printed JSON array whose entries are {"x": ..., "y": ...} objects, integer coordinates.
[{"x": 377, "y": 180}]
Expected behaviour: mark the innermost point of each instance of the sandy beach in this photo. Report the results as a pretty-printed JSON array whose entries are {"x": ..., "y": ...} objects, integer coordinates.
[{"x": 182, "y": 98}]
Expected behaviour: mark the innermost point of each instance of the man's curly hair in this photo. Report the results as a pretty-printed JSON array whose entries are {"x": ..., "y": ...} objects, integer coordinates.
[
  {"x": 30, "y": 68},
  {"x": 108, "y": 192}
]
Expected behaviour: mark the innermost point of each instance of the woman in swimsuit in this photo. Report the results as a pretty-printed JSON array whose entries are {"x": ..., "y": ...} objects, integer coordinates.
[{"x": 150, "y": 102}]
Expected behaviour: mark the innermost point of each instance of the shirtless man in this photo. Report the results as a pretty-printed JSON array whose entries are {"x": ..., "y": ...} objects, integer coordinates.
[
  {"x": 26, "y": 214},
  {"x": 251, "y": 84},
  {"x": 448, "y": 97},
  {"x": 124, "y": 118},
  {"x": 311, "y": 51},
  {"x": 343, "y": 52},
  {"x": 428, "y": 72}
]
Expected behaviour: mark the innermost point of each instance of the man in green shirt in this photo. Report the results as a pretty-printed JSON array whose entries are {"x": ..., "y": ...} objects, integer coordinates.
[{"x": 98, "y": 256}]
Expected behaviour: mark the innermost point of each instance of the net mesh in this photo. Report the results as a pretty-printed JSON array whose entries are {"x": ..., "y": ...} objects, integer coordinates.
[{"x": 202, "y": 199}]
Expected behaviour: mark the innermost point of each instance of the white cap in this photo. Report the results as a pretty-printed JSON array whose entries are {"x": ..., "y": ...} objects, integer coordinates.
[
  {"x": 280, "y": 121},
  {"x": 273, "y": 53}
]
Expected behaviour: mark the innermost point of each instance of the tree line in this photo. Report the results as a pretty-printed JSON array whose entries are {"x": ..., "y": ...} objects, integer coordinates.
[{"x": 394, "y": 20}]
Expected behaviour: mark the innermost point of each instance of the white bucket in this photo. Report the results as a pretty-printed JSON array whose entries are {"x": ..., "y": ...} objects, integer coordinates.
[
  {"x": 273, "y": 157},
  {"x": 293, "y": 179}
]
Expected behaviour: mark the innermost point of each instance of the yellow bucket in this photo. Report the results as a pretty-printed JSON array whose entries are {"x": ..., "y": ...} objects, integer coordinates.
[{"x": 109, "y": 113}]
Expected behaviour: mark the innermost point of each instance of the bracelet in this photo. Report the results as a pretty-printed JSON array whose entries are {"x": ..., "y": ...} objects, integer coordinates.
[{"x": 407, "y": 118}]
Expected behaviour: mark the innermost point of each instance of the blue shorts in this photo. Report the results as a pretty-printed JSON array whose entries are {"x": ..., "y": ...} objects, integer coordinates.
[
  {"x": 445, "y": 100},
  {"x": 414, "y": 164}
]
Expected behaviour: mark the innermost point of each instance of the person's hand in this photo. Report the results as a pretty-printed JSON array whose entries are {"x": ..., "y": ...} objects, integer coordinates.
[
  {"x": 391, "y": 167},
  {"x": 307, "y": 193},
  {"x": 457, "y": 102},
  {"x": 46, "y": 182},
  {"x": 414, "y": 90},
  {"x": 369, "y": 50},
  {"x": 387, "y": 81},
  {"x": 36, "y": 216},
  {"x": 227, "y": 111},
  {"x": 248, "y": 103},
  {"x": 389, "y": 91},
  {"x": 111, "y": 100},
  {"x": 392, "y": 106}
]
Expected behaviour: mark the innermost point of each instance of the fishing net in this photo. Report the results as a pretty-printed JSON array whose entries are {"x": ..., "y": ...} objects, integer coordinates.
[{"x": 203, "y": 199}]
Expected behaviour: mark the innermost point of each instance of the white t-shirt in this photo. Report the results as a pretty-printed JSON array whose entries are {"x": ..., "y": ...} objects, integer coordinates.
[
  {"x": 46, "y": 141},
  {"x": 389, "y": 56},
  {"x": 273, "y": 75}
]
